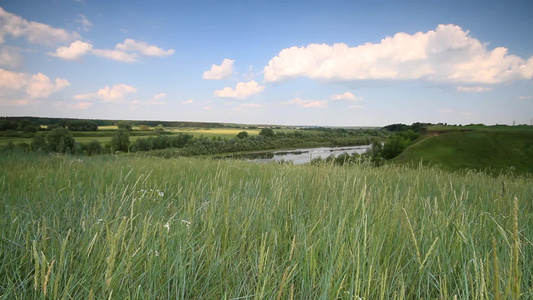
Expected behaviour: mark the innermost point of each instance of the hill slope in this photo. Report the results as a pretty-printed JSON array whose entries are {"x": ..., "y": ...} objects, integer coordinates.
[{"x": 488, "y": 149}]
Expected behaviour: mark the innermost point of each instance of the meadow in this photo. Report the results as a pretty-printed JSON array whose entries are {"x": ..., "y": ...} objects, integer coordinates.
[{"x": 123, "y": 227}]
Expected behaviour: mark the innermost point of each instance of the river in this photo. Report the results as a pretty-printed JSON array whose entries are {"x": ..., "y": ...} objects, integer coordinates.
[{"x": 299, "y": 156}]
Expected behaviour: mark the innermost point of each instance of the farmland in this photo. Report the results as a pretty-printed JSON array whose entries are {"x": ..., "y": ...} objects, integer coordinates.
[{"x": 145, "y": 228}]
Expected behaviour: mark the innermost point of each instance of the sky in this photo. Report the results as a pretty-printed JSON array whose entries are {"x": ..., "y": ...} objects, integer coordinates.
[{"x": 321, "y": 63}]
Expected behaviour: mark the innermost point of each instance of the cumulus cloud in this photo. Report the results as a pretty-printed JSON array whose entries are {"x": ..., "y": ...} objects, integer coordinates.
[
  {"x": 86, "y": 25},
  {"x": 525, "y": 97},
  {"x": 473, "y": 89},
  {"x": 131, "y": 45},
  {"x": 40, "y": 86},
  {"x": 156, "y": 99},
  {"x": 10, "y": 58},
  {"x": 307, "y": 103},
  {"x": 36, "y": 86},
  {"x": 225, "y": 70},
  {"x": 75, "y": 51},
  {"x": 189, "y": 101},
  {"x": 115, "y": 55},
  {"x": 107, "y": 94},
  {"x": 243, "y": 90},
  {"x": 446, "y": 54},
  {"x": 34, "y": 32},
  {"x": 346, "y": 96},
  {"x": 14, "y": 102}
]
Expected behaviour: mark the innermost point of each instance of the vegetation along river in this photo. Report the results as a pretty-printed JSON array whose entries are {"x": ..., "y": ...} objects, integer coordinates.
[{"x": 299, "y": 156}]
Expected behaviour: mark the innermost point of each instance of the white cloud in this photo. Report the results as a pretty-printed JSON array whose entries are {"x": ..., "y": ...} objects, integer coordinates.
[
  {"x": 447, "y": 54},
  {"x": 243, "y": 90},
  {"x": 525, "y": 97},
  {"x": 36, "y": 86},
  {"x": 473, "y": 89},
  {"x": 190, "y": 101},
  {"x": 40, "y": 86},
  {"x": 115, "y": 55},
  {"x": 10, "y": 58},
  {"x": 131, "y": 45},
  {"x": 38, "y": 33},
  {"x": 346, "y": 96},
  {"x": 115, "y": 94},
  {"x": 225, "y": 70},
  {"x": 86, "y": 25},
  {"x": 307, "y": 103},
  {"x": 12, "y": 81},
  {"x": 75, "y": 51},
  {"x": 356, "y": 106},
  {"x": 156, "y": 99},
  {"x": 446, "y": 111}
]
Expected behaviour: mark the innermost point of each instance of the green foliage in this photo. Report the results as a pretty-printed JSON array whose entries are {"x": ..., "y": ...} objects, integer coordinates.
[
  {"x": 242, "y": 135},
  {"x": 120, "y": 140},
  {"x": 94, "y": 148},
  {"x": 124, "y": 125},
  {"x": 143, "y": 127},
  {"x": 38, "y": 143},
  {"x": 60, "y": 140},
  {"x": 81, "y": 125},
  {"x": 267, "y": 132}
]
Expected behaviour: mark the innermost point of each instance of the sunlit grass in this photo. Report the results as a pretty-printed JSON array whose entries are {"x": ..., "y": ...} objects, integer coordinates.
[{"x": 146, "y": 228}]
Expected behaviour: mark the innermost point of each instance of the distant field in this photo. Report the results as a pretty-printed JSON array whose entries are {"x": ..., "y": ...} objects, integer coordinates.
[
  {"x": 492, "y": 149},
  {"x": 105, "y": 133},
  {"x": 215, "y": 132}
]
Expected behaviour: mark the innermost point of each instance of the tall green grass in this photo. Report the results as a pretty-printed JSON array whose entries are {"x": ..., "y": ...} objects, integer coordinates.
[{"x": 144, "y": 228}]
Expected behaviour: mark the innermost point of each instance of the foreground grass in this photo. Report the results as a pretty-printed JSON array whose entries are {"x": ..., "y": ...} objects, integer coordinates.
[{"x": 144, "y": 228}]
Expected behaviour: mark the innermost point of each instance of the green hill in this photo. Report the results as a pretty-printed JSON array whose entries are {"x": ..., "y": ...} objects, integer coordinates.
[{"x": 490, "y": 149}]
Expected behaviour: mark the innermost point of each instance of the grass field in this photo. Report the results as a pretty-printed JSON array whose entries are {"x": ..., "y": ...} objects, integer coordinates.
[
  {"x": 112, "y": 227},
  {"x": 494, "y": 150}
]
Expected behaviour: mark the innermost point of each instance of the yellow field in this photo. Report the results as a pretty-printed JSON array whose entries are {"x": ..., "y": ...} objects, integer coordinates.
[{"x": 215, "y": 132}]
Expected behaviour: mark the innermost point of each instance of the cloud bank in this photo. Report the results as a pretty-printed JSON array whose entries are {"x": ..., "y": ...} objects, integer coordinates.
[{"x": 446, "y": 54}]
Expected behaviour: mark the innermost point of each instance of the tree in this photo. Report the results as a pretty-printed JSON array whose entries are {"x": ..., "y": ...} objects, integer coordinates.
[
  {"x": 143, "y": 127},
  {"x": 60, "y": 140},
  {"x": 394, "y": 146},
  {"x": 38, "y": 142},
  {"x": 94, "y": 147},
  {"x": 242, "y": 135},
  {"x": 124, "y": 125},
  {"x": 266, "y": 132},
  {"x": 160, "y": 127},
  {"x": 121, "y": 140}
]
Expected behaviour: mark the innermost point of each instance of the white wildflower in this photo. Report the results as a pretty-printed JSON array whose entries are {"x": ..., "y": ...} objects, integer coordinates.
[
  {"x": 156, "y": 253},
  {"x": 161, "y": 194},
  {"x": 167, "y": 226},
  {"x": 187, "y": 223}
]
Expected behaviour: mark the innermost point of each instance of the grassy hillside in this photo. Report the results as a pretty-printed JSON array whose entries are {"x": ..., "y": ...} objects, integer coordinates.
[
  {"x": 495, "y": 150},
  {"x": 111, "y": 227}
]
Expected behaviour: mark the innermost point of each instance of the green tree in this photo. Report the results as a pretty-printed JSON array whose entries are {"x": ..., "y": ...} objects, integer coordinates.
[
  {"x": 124, "y": 125},
  {"x": 160, "y": 127},
  {"x": 60, "y": 140},
  {"x": 242, "y": 135},
  {"x": 120, "y": 140},
  {"x": 394, "y": 146},
  {"x": 94, "y": 147},
  {"x": 266, "y": 132},
  {"x": 38, "y": 142},
  {"x": 143, "y": 127}
]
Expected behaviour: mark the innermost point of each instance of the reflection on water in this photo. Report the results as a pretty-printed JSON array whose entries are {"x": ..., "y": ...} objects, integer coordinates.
[{"x": 299, "y": 156}]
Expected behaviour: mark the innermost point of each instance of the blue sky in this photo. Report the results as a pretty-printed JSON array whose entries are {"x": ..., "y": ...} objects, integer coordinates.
[{"x": 330, "y": 63}]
